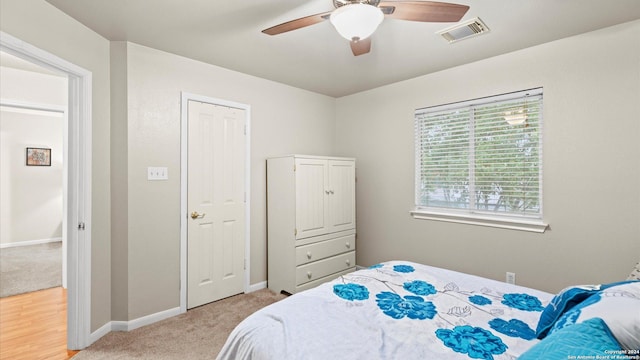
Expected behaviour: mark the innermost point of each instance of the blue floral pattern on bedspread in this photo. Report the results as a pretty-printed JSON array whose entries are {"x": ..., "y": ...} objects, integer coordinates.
[
  {"x": 469, "y": 321},
  {"x": 351, "y": 291},
  {"x": 476, "y": 342},
  {"x": 480, "y": 300},
  {"x": 419, "y": 287},
  {"x": 524, "y": 302},
  {"x": 413, "y": 307},
  {"x": 403, "y": 268},
  {"x": 513, "y": 328}
]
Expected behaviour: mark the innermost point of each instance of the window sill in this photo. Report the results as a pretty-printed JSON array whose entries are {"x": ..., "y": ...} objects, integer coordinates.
[{"x": 512, "y": 223}]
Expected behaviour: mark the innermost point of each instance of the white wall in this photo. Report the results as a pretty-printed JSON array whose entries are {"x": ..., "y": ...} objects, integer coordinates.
[
  {"x": 32, "y": 87},
  {"x": 30, "y": 194},
  {"x": 44, "y": 26},
  {"x": 283, "y": 120},
  {"x": 591, "y": 169}
]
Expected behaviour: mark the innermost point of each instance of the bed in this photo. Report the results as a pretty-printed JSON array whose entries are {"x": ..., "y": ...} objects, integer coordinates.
[{"x": 405, "y": 310}]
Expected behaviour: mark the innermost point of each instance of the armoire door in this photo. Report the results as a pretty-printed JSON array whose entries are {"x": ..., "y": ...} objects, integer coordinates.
[
  {"x": 312, "y": 212},
  {"x": 342, "y": 195}
]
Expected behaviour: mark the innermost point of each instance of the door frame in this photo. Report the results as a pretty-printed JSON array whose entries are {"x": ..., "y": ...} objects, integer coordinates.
[
  {"x": 184, "y": 146},
  {"x": 78, "y": 197}
]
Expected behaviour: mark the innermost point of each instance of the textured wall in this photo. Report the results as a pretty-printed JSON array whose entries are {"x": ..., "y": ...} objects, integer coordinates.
[
  {"x": 283, "y": 120},
  {"x": 42, "y": 25},
  {"x": 591, "y": 169}
]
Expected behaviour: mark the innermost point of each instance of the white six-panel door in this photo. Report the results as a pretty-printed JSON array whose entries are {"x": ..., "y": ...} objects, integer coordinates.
[{"x": 215, "y": 202}]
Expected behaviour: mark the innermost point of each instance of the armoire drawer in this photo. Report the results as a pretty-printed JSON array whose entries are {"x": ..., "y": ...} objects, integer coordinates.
[
  {"x": 322, "y": 268},
  {"x": 314, "y": 283},
  {"x": 324, "y": 249}
]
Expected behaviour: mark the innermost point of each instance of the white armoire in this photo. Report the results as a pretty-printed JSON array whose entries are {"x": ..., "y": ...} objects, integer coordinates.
[{"x": 311, "y": 220}]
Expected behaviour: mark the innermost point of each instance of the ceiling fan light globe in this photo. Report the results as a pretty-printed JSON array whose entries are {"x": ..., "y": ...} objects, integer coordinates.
[{"x": 356, "y": 21}]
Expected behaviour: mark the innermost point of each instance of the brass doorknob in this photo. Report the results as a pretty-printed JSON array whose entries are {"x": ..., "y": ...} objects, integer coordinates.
[{"x": 195, "y": 215}]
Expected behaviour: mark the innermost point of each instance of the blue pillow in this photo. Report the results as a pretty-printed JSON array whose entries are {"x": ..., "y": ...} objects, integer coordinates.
[
  {"x": 590, "y": 338},
  {"x": 565, "y": 301},
  {"x": 618, "y": 307}
]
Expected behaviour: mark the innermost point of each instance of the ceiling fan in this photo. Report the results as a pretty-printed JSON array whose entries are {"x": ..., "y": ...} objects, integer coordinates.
[{"x": 356, "y": 20}]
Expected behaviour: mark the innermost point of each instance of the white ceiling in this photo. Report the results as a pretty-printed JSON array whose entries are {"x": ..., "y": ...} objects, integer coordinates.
[{"x": 316, "y": 58}]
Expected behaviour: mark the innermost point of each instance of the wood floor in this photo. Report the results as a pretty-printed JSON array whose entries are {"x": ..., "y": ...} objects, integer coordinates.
[{"x": 34, "y": 326}]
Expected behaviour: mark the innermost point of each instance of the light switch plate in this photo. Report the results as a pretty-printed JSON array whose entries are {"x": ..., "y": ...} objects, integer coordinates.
[{"x": 157, "y": 173}]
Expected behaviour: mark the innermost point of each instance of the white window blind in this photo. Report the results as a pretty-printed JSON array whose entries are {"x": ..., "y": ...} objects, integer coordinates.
[{"x": 481, "y": 157}]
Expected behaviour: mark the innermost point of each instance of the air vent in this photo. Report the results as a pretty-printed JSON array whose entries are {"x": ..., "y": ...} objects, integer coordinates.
[{"x": 464, "y": 30}]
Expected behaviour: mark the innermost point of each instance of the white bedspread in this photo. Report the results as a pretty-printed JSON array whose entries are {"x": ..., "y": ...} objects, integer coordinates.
[{"x": 394, "y": 310}]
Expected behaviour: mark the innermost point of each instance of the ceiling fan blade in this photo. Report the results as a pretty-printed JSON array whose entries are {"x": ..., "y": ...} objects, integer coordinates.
[
  {"x": 425, "y": 11},
  {"x": 297, "y": 23},
  {"x": 361, "y": 46}
]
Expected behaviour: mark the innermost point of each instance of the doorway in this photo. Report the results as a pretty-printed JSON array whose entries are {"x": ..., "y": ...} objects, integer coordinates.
[
  {"x": 77, "y": 215},
  {"x": 215, "y": 182},
  {"x": 32, "y": 235},
  {"x": 33, "y": 107}
]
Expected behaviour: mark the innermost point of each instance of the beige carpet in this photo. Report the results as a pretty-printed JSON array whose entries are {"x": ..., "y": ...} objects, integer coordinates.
[
  {"x": 30, "y": 268},
  {"x": 198, "y": 334}
]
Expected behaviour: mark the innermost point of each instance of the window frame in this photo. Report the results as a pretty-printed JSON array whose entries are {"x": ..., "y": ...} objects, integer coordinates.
[{"x": 533, "y": 223}]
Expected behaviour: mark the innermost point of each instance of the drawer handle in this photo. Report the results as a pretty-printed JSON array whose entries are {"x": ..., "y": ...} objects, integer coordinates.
[
  {"x": 348, "y": 262},
  {"x": 309, "y": 274},
  {"x": 308, "y": 254},
  {"x": 347, "y": 244}
]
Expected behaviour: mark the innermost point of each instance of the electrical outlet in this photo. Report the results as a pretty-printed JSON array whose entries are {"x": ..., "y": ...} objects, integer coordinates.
[{"x": 511, "y": 278}]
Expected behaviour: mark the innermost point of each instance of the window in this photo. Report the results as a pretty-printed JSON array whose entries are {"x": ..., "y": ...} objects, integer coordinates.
[{"x": 480, "y": 161}]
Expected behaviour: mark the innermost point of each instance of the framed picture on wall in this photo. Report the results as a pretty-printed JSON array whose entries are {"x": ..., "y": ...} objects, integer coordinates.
[{"x": 38, "y": 157}]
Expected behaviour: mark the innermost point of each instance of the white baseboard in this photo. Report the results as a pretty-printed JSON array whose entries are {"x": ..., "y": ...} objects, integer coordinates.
[
  {"x": 102, "y": 331},
  {"x": 119, "y": 326},
  {"x": 29, "y": 242},
  {"x": 257, "y": 286},
  {"x": 149, "y": 319},
  {"x": 132, "y": 324},
  {"x": 143, "y": 321}
]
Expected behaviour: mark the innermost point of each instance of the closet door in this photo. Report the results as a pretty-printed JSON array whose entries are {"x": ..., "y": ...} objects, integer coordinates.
[
  {"x": 342, "y": 195},
  {"x": 216, "y": 202},
  {"x": 312, "y": 212}
]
